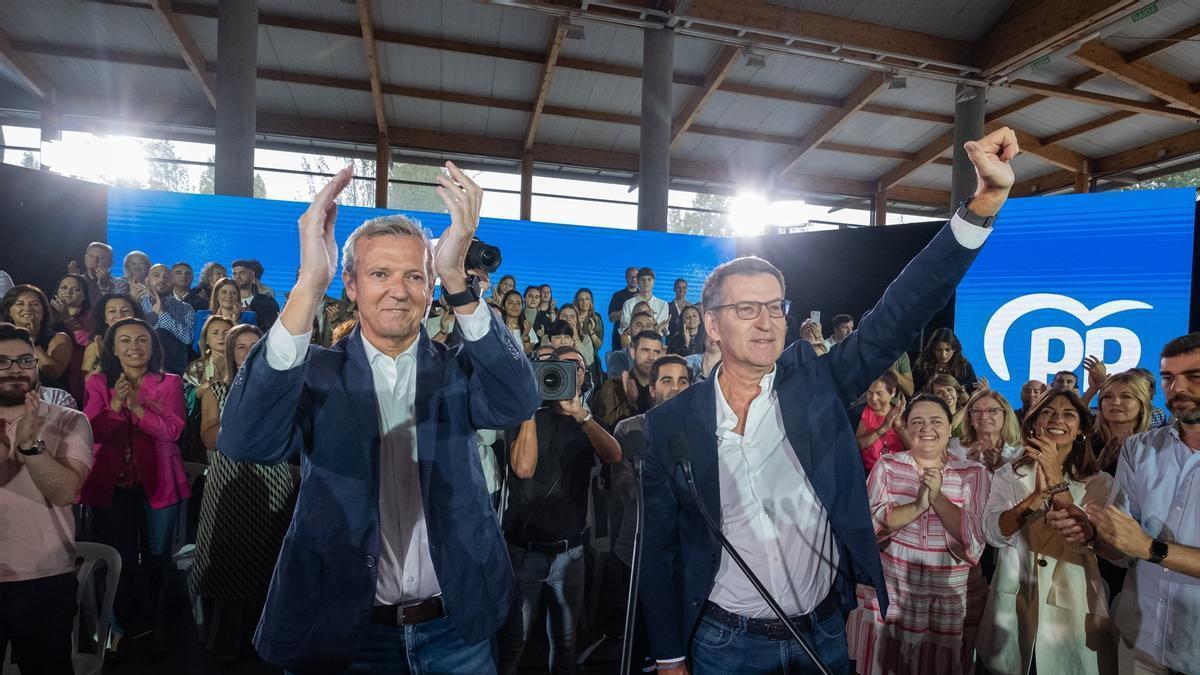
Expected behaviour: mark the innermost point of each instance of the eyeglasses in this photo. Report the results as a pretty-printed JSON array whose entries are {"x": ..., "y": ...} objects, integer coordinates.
[
  {"x": 986, "y": 412},
  {"x": 750, "y": 309},
  {"x": 27, "y": 362}
]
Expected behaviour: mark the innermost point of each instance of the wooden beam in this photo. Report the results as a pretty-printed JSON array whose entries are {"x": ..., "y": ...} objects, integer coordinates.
[
  {"x": 1056, "y": 155},
  {"x": 1104, "y": 121},
  {"x": 825, "y": 29},
  {"x": 919, "y": 195},
  {"x": 1144, "y": 75},
  {"x": 188, "y": 48},
  {"x": 539, "y": 98},
  {"x": 924, "y": 156},
  {"x": 830, "y": 121},
  {"x": 526, "y": 186},
  {"x": 367, "y": 25},
  {"x": 1114, "y": 102},
  {"x": 1031, "y": 29},
  {"x": 25, "y": 68},
  {"x": 1050, "y": 182},
  {"x": 721, "y": 64},
  {"x": 383, "y": 167}
]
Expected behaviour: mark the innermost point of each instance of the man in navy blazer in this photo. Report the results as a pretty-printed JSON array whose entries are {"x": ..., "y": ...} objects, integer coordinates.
[
  {"x": 394, "y": 555},
  {"x": 775, "y": 462}
]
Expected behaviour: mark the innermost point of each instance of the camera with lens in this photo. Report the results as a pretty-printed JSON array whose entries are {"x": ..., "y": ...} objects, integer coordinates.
[
  {"x": 555, "y": 379},
  {"x": 482, "y": 256}
]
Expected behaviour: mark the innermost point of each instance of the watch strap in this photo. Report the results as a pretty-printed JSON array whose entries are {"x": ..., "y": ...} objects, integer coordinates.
[
  {"x": 462, "y": 298},
  {"x": 966, "y": 214},
  {"x": 38, "y": 447},
  {"x": 1158, "y": 551}
]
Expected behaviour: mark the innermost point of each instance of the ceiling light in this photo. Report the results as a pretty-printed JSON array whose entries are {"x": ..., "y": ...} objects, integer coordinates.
[
  {"x": 574, "y": 31},
  {"x": 753, "y": 58}
]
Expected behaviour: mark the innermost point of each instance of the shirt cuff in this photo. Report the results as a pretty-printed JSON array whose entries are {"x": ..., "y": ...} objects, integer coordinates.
[
  {"x": 968, "y": 236},
  {"x": 284, "y": 350},
  {"x": 671, "y": 663},
  {"x": 476, "y": 324}
]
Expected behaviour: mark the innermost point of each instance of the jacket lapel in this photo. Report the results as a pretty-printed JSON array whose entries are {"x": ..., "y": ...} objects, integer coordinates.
[
  {"x": 359, "y": 385},
  {"x": 700, "y": 426},
  {"x": 429, "y": 377},
  {"x": 794, "y": 399}
]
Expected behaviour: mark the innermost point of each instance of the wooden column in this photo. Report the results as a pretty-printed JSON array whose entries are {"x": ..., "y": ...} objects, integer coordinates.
[
  {"x": 383, "y": 167},
  {"x": 1083, "y": 183},
  {"x": 879, "y": 209},
  {"x": 527, "y": 186}
]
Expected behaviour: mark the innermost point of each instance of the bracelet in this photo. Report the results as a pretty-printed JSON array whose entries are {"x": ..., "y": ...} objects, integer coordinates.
[
  {"x": 1060, "y": 487},
  {"x": 585, "y": 420}
]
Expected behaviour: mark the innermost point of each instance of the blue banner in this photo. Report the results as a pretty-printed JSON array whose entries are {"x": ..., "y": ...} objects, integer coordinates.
[{"x": 1065, "y": 277}]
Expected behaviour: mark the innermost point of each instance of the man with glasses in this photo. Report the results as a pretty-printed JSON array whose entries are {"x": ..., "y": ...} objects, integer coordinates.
[
  {"x": 544, "y": 520},
  {"x": 775, "y": 462},
  {"x": 45, "y": 455}
]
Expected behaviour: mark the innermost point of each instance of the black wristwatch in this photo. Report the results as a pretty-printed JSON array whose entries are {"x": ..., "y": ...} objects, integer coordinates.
[
  {"x": 966, "y": 214},
  {"x": 462, "y": 298},
  {"x": 1158, "y": 551},
  {"x": 39, "y": 446}
]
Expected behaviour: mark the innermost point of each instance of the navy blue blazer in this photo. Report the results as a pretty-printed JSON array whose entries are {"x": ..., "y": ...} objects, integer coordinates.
[
  {"x": 323, "y": 587},
  {"x": 681, "y": 557}
]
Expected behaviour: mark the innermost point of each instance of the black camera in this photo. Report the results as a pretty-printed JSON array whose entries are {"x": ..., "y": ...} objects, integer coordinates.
[
  {"x": 482, "y": 256},
  {"x": 556, "y": 379}
]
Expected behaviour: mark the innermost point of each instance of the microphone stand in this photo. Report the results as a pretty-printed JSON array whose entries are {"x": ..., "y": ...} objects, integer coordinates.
[
  {"x": 686, "y": 465},
  {"x": 634, "y": 573}
]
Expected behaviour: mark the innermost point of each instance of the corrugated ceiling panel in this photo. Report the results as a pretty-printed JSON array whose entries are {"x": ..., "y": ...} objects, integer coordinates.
[
  {"x": 314, "y": 53},
  {"x": 1182, "y": 60},
  {"x": 1113, "y": 87},
  {"x": 510, "y": 79},
  {"x": 958, "y": 19},
  {"x": 594, "y": 91},
  {"x": 694, "y": 56},
  {"x": 597, "y": 45},
  {"x": 1126, "y": 134},
  {"x": 844, "y": 165},
  {"x": 885, "y": 133},
  {"x": 1056, "y": 113},
  {"x": 920, "y": 94},
  {"x": 505, "y": 123},
  {"x": 627, "y": 140},
  {"x": 1026, "y": 166},
  {"x": 929, "y": 176},
  {"x": 563, "y": 130},
  {"x": 418, "y": 113},
  {"x": 124, "y": 82},
  {"x": 795, "y": 73}
]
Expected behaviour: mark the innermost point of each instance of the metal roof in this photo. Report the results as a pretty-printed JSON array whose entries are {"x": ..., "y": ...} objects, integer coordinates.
[{"x": 466, "y": 74}]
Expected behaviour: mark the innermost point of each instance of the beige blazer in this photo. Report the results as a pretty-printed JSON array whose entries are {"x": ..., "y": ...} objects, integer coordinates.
[{"x": 1045, "y": 593}]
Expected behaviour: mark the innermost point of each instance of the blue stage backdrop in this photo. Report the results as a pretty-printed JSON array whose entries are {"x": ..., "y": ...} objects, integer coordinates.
[
  {"x": 1070, "y": 276},
  {"x": 172, "y": 227}
]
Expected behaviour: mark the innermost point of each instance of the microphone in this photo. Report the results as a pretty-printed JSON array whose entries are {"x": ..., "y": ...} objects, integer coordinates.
[
  {"x": 681, "y": 454},
  {"x": 633, "y": 444}
]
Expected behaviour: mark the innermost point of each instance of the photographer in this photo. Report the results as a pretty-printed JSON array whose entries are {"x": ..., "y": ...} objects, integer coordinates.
[{"x": 544, "y": 521}]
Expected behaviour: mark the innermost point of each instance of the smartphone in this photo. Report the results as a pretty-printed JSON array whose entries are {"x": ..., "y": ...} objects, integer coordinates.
[{"x": 815, "y": 317}]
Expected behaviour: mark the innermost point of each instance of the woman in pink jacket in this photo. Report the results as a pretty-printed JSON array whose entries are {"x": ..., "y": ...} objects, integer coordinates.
[{"x": 137, "y": 479}]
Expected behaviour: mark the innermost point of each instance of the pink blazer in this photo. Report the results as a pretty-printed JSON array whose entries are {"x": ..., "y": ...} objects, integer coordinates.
[{"x": 156, "y": 457}]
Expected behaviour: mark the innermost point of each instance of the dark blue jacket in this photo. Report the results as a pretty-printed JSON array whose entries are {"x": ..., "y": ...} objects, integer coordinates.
[
  {"x": 324, "y": 583},
  {"x": 680, "y": 559}
]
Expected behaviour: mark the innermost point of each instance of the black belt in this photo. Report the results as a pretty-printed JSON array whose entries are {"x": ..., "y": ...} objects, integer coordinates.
[
  {"x": 409, "y": 614},
  {"x": 773, "y": 629},
  {"x": 560, "y": 546}
]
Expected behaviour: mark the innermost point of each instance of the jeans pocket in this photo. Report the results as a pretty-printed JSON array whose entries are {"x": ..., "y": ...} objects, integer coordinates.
[
  {"x": 712, "y": 634},
  {"x": 832, "y": 626}
]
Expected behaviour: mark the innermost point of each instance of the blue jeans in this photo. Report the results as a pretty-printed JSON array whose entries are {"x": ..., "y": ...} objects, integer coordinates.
[
  {"x": 559, "y": 578},
  {"x": 433, "y": 647},
  {"x": 719, "y": 649},
  {"x": 133, "y": 527}
]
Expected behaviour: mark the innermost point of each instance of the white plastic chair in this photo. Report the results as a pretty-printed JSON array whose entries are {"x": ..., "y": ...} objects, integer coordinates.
[
  {"x": 193, "y": 470},
  {"x": 94, "y": 614},
  {"x": 95, "y": 611}
]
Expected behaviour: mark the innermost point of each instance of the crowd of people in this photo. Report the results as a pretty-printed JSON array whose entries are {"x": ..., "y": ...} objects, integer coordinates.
[{"x": 1057, "y": 536}]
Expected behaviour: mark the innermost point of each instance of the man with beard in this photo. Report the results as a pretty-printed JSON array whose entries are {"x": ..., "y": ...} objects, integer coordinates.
[
  {"x": 45, "y": 456},
  {"x": 172, "y": 319},
  {"x": 1152, "y": 526},
  {"x": 97, "y": 269},
  {"x": 628, "y": 395},
  {"x": 246, "y": 274}
]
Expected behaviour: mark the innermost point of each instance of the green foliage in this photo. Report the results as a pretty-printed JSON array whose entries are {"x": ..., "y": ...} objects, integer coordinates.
[
  {"x": 1190, "y": 178},
  {"x": 702, "y": 222},
  {"x": 166, "y": 176},
  {"x": 28, "y": 160},
  {"x": 414, "y": 197}
]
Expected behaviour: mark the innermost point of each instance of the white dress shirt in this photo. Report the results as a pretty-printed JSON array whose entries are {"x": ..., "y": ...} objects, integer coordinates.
[
  {"x": 657, "y": 305},
  {"x": 405, "y": 568},
  {"x": 770, "y": 514}
]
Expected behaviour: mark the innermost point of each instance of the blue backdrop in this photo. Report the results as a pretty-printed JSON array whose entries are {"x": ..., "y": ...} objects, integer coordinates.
[
  {"x": 1064, "y": 277},
  {"x": 172, "y": 227}
]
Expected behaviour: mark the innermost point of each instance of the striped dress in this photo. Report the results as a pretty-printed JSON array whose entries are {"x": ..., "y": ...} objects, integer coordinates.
[
  {"x": 244, "y": 513},
  {"x": 936, "y": 598}
]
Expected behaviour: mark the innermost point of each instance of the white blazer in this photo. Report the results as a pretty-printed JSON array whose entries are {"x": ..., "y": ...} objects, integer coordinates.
[{"x": 1045, "y": 593}]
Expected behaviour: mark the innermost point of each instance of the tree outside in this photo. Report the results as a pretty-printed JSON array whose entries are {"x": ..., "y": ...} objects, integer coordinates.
[
  {"x": 1190, "y": 178},
  {"x": 713, "y": 222}
]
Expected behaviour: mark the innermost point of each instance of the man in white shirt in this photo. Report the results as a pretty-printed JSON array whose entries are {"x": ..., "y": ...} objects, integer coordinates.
[
  {"x": 766, "y": 442},
  {"x": 394, "y": 554},
  {"x": 658, "y": 306}
]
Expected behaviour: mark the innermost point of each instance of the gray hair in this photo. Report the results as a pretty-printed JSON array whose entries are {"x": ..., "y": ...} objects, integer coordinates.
[
  {"x": 714, "y": 286},
  {"x": 396, "y": 226}
]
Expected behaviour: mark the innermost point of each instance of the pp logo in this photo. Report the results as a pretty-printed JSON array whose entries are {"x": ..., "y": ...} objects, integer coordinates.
[{"x": 1075, "y": 346}]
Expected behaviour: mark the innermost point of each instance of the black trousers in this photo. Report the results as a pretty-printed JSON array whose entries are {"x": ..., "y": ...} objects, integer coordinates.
[{"x": 37, "y": 617}]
